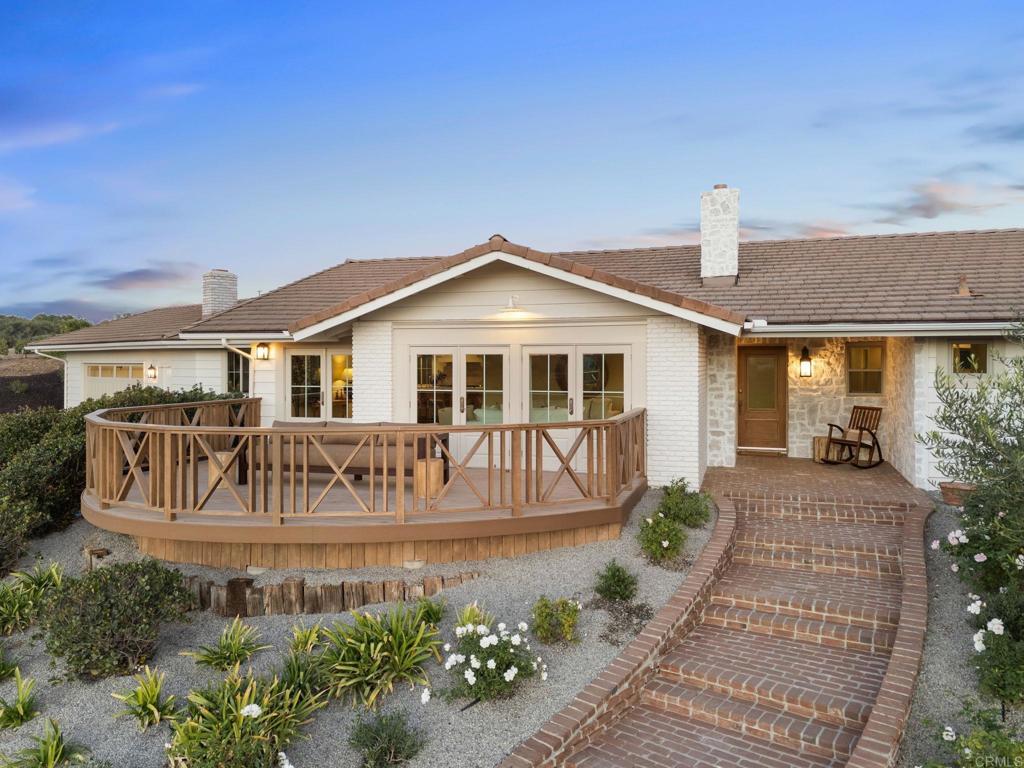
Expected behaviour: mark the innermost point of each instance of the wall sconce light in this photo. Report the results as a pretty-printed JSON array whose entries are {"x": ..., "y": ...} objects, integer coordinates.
[
  {"x": 262, "y": 351},
  {"x": 151, "y": 371},
  {"x": 805, "y": 362}
]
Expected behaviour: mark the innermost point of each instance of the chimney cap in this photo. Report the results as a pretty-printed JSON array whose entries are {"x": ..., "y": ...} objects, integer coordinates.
[{"x": 721, "y": 186}]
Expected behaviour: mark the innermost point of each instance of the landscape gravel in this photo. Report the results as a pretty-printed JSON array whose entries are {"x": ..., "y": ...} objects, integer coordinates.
[
  {"x": 947, "y": 675},
  {"x": 457, "y": 736}
]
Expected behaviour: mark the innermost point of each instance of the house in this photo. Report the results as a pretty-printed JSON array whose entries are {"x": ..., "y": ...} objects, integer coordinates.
[{"x": 729, "y": 346}]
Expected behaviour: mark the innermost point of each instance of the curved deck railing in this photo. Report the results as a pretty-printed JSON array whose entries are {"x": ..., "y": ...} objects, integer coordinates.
[{"x": 211, "y": 460}]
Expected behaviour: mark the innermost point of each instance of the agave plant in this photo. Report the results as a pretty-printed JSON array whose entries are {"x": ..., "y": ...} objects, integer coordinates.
[
  {"x": 146, "y": 702},
  {"x": 237, "y": 643}
]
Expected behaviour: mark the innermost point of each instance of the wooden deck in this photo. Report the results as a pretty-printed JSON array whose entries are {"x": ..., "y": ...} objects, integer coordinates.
[{"x": 194, "y": 483}]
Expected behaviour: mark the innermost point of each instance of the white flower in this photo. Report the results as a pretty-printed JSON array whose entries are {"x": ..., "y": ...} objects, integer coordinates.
[
  {"x": 474, "y": 662},
  {"x": 975, "y": 607},
  {"x": 948, "y": 734},
  {"x": 979, "y": 642},
  {"x": 661, "y": 515},
  {"x": 650, "y": 520},
  {"x": 481, "y": 629},
  {"x": 516, "y": 640},
  {"x": 283, "y": 761},
  {"x": 510, "y": 674},
  {"x": 1019, "y": 562},
  {"x": 470, "y": 677},
  {"x": 447, "y": 647},
  {"x": 981, "y": 557},
  {"x": 544, "y": 675},
  {"x": 995, "y": 626},
  {"x": 251, "y": 710},
  {"x": 425, "y": 696},
  {"x": 460, "y": 631},
  {"x": 954, "y": 567},
  {"x": 522, "y": 627},
  {"x": 491, "y": 663},
  {"x": 664, "y": 544},
  {"x": 501, "y": 626},
  {"x": 935, "y": 544},
  {"x": 951, "y": 537},
  {"x": 488, "y": 641}
]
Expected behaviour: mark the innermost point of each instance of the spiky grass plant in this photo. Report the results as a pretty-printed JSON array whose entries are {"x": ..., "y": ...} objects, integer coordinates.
[
  {"x": 22, "y": 708},
  {"x": 146, "y": 702},
  {"x": 237, "y": 643},
  {"x": 50, "y": 750}
]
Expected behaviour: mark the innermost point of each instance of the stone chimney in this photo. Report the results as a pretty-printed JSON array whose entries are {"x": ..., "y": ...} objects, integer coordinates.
[
  {"x": 220, "y": 291},
  {"x": 719, "y": 235}
]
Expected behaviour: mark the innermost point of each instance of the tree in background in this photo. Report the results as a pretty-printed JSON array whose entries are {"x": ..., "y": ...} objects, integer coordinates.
[{"x": 18, "y": 331}]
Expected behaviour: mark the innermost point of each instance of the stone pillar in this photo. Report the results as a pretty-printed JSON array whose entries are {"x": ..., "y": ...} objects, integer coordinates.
[
  {"x": 720, "y": 235},
  {"x": 371, "y": 366}
]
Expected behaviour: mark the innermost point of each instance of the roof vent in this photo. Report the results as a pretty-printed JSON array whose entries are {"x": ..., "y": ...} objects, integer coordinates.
[
  {"x": 719, "y": 236},
  {"x": 964, "y": 290},
  {"x": 220, "y": 291}
]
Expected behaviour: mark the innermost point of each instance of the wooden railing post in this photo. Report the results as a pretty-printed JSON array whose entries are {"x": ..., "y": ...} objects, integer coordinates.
[
  {"x": 517, "y": 474},
  {"x": 169, "y": 465},
  {"x": 277, "y": 477},
  {"x": 399, "y": 477}
]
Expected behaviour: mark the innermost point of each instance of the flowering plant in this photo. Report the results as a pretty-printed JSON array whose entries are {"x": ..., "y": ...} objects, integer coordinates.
[
  {"x": 660, "y": 538},
  {"x": 987, "y": 742},
  {"x": 487, "y": 664}
]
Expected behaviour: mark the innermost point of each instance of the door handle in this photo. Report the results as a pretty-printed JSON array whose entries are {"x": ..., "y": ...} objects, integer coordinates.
[
  {"x": 462, "y": 405},
  {"x": 570, "y": 406}
]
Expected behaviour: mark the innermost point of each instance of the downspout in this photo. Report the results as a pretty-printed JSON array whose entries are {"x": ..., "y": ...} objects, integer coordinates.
[{"x": 63, "y": 361}]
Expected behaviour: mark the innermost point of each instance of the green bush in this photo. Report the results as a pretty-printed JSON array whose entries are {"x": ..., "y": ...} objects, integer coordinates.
[
  {"x": 385, "y": 740},
  {"x": 988, "y": 742},
  {"x": 661, "y": 539},
  {"x": 488, "y": 665},
  {"x": 237, "y": 643},
  {"x": 243, "y": 721},
  {"x": 146, "y": 702},
  {"x": 555, "y": 620},
  {"x": 48, "y": 751},
  {"x": 22, "y": 598},
  {"x": 689, "y": 508},
  {"x": 365, "y": 659},
  {"x": 430, "y": 611},
  {"x": 107, "y": 622},
  {"x": 41, "y": 482},
  {"x": 615, "y": 582},
  {"x": 22, "y": 429}
]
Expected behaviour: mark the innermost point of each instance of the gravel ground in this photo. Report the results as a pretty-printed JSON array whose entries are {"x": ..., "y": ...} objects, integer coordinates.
[
  {"x": 479, "y": 736},
  {"x": 947, "y": 674}
]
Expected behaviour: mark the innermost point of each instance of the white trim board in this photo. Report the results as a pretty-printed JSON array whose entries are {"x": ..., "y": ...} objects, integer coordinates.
[
  {"x": 516, "y": 261},
  {"x": 820, "y": 330}
]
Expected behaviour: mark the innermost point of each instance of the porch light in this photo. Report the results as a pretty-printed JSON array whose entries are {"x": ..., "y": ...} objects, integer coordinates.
[
  {"x": 805, "y": 362},
  {"x": 513, "y": 305},
  {"x": 151, "y": 371},
  {"x": 262, "y": 351}
]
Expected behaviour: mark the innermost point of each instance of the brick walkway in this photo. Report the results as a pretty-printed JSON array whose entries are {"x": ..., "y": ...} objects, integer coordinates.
[{"x": 788, "y": 659}]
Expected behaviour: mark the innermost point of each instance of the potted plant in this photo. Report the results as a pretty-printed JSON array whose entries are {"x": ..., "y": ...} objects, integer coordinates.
[{"x": 955, "y": 493}]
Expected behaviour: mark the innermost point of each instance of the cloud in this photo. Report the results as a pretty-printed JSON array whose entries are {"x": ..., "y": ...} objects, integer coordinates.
[
  {"x": 688, "y": 233},
  {"x": 159, "y": 274},
  {"x": 91, "y": 311},
  {"x": 59, "y": 261},
  {"x": 172, "y": 90},
  {"x": 932, "y": 199},
  {"x": 47, "y": 134},
  {"x": 998, "y": 133},
  {"x": 823, "y": 229},
  {"x": 15, "y": 196}
]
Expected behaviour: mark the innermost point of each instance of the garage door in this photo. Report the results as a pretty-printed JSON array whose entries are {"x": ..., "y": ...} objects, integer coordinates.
[{"x": 107, "y": 378}]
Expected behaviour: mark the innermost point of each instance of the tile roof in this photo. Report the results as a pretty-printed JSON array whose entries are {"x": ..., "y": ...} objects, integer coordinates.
[
  {"x": 860, "y": 279},
  {"x": 153, "y": 325}
]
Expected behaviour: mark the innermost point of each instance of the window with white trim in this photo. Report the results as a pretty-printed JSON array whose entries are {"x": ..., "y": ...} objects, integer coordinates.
[{"x": 970, "y": 357}]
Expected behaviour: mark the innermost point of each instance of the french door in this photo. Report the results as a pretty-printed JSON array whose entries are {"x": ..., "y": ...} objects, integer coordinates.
[{"x": 461, "y": 386}]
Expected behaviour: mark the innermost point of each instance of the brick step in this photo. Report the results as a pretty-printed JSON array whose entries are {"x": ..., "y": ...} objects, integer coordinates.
[
  {"x": 823, "y": 511},
  {"x": 865, "y": 602},
  {"x": 805, "y": 630},
  {"x": 834, "y": 685},
  {"x": 651, "y": 737},
  {"x": 836, "y": 564},
  {"x": 751, "y": 719},
  {"x": 817, "y": 537}
]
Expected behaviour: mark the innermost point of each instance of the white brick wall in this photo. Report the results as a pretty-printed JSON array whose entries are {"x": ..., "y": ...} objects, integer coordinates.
[
  {"x": 371, "y": 361},
  {"x": 675, "y": 380}
]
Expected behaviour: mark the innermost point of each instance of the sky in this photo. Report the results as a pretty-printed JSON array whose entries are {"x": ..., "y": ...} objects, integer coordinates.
[{"x": 143, "y": 143}]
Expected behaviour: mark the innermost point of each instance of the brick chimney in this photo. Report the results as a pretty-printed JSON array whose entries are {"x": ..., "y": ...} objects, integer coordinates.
[
  {"x": 220, "y": 291},
  {"x": 719, "y": 236}
]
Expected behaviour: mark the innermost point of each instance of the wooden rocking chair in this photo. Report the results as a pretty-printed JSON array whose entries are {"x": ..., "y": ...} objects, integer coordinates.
[{"x": 858, "y": 436}]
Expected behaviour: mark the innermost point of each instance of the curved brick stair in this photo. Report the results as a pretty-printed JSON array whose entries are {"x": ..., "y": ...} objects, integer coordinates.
[{"x": 787, "y": 660}]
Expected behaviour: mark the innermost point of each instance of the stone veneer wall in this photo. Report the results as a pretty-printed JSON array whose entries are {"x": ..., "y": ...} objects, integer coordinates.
[
  {"x": 720, "y": 399},
  {"x": 675, "y": 373},
  {"x": 898, "y": 417},
  {"x": 371, "y": 358}
]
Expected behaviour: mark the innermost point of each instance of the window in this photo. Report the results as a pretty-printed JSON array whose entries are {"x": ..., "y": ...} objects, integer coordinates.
[
  {"x": 485, "y": 384},
  {"x": 238, "y": 373},
  {"x": 434, "y": 389},
  {"x": 306, "y": 393},
  {"x": 103, "y": 379},
  {"x": 549, "y": 388},
  {"x": 341, "y": 386},
  {"x": 604, "y": 385},
  {"x": 970, "y": 357},
  {"x": 864, "y": 368}
]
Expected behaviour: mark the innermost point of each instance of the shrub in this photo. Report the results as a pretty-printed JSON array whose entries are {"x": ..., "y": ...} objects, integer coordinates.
[
  {"x": 306, "y": 639},
  {"x": 304, "y": 667},
  {"x": 107, "y": 622},
  {"x": 487, "y": 665},
  {"x": 387, "y": 739},
  {"x": 146, "y": 702},
  {"x": 988, "y": 742},
  {"x": 7, "y": 667},
  {"x": 555, "y": 621},
  {"x": 17, "y": 611},
  {"x": 41, "y": 482},
  {"x": 23, "y": 707},
  {"x": 237, "y": 643},
  {"x": 473, "y": 613},
  {"x": 615, "y": 582},
  {"x": 23, "y": 428},
  {"x": 49, "y": 751},
  {"x": 1001, "y": 667},
  {"x": 243, "y": 721},
  {"x": 661, "y": 539},
  {"x": 689, "y": 508},
  {"x": 430, "y": 611},
  {"x": 366, "y": 659}
]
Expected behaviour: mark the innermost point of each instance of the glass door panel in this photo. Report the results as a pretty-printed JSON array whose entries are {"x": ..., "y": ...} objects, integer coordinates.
[
  {"x": 549, "y": 394},
  {"x": 305, "y": 390},
  {"x": 604, "y": 385},
  {"x": 435, "y": 388},
  {"x": 341, "y": 386},
  {"x": 485, "y": 388}
]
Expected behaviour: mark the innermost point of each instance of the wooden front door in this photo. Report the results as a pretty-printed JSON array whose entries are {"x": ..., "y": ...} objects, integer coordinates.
[{"x": 761, "y": 393}]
